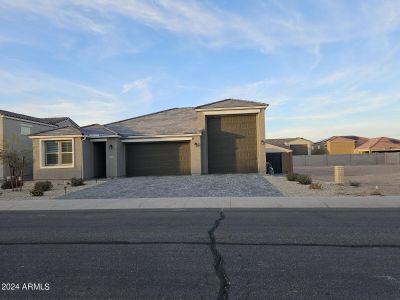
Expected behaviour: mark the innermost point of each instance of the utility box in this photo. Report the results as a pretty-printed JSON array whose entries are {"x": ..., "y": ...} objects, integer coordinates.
[{"x": 339, "y": 175}]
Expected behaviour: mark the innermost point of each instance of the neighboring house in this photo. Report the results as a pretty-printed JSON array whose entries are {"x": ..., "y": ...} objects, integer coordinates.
[
  {"x": 298, "y": 145},
  {"x": 19, "y": 126},
  {"x": 338, "y": 145},
  {"x": 379, "y": 144},
  {"x": 220, "y": 137},
  {"x": 279, "y": 156}
]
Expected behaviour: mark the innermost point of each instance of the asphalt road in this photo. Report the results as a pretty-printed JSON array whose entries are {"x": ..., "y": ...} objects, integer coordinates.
[{"x": 269, "y": 253}]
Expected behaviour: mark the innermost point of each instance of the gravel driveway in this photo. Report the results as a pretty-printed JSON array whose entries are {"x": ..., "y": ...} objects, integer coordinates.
[{"x": 227, "y": 185}]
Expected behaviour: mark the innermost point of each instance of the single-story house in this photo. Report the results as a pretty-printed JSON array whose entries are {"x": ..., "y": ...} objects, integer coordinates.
[
  {"x": 15, "y": 129},
  {"x": 339, "y": 145},
  {"x": 379, "y": 144},
  {"x": 220, "y": 137},
  {"x": 279, "y": 155}
]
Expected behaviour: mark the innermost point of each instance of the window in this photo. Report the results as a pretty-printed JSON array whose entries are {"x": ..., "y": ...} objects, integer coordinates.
[
  {"x": 58, "y": 153},
  {"x": 25, "y": 129}
]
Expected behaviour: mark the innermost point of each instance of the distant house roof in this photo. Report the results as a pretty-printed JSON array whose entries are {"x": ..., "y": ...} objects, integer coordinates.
[
  {"x": 64, "y": 131},
  {"x": 97, "y": 130},
  {"x": 358, "y": 140},
  {"x": 380, "y": 144},
  {"x": 229, "y": 103},
  {"x": 284, "y": 142},
  {"x": 172, "y": 121},
  {"x": 25, "y": 117}
]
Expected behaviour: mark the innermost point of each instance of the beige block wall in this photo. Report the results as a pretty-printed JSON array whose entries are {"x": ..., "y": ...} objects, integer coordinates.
[{"x": 57, "y": 173}]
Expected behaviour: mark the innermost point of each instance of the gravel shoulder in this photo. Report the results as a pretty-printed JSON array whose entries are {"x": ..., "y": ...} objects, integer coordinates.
[
  {"x": 294, "y": 189},
  {"x": 57, "y": 191}
]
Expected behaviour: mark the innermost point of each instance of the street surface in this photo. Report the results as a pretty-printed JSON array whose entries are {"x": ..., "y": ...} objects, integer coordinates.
[{"x": 171, "y": 254}]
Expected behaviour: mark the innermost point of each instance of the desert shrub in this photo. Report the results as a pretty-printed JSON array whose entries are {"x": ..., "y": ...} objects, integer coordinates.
[
  {"x": 292, "y": 176},
  {"x": 7, "y": 184},
  {"x": 77, "y": 181},
  {"x": 36, "y": 192},
  {"x": 43, "y": 185},
  {"x": 315, "y": 186},
  {"x": 304, "y": 179},
  {"x": 355, "y": 183},
  {"x": 376, "y": 192}
]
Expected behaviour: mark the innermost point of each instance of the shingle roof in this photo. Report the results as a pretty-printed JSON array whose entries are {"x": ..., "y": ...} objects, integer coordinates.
[
  {"x": 380, "y": 143},
  {"x": 172, "y": 121},
  {"x": 69, "y": 130},
  {"x": 97, "y": 130},
  {"x": 229, "y": 103},
  {"x": 55, "y": 120},
  {"x": 24, "y": 117}
]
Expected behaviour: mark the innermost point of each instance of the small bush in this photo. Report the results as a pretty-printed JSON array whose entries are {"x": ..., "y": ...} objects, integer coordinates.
[
  {"x": 36, "y": 192},
  {"x": 7, "y": 184},
  {"x": 354, "y": 183},
  {"x": 292, "y": 176},
  {"x": 43, "y": 185},
  {"x": 315, "y": 186},
  {"x": 77, "y": 181},
  {"x": 304, "y": 179},
  {"x": 376, "y": 192}
]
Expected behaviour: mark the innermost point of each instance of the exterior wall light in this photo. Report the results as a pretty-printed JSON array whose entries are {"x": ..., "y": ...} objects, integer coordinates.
[
  {"x": 197, "y": 144},
  {"x": 110, "y": 147}
]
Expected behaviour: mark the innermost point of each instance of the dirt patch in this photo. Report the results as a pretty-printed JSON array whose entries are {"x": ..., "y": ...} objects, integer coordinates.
[{"x": 57, "y": 191}]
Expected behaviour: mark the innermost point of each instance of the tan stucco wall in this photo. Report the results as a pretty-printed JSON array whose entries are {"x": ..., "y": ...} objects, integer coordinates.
[
  {"x": 195, "y": 155},
  {"x": 12, "y": 127},
  {"x": 57, "y": 173},
  {"x": 260, "y": 119},
  {"x": 342, "y": 147}
]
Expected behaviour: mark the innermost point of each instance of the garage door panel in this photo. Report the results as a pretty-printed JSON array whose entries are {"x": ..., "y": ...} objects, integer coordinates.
[
  {"x": 232, "y": 144},
  {"x": 154, "y": 159}
]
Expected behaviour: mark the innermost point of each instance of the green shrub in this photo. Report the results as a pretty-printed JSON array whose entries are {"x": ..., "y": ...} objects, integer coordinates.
[
  {"x": 7, "y": 184},
  {"x": 36, "y": 192},
  {"x": 77, "y": 181},
  {"x": 315, "y": 186},
  {"x": 43, "y": 185},
  {"x": 304, "y": 179},
  {"x": 292, "y": 176}
]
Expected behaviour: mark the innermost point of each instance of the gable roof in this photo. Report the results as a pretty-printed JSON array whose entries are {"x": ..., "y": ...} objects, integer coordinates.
[
  {"x": 97, "y": 130},
  {"x": 172, "y": 121},
  {"x": 64, "y": 131},
  {"x": 380, "y": 143},
  {"x": 25, "y": 117},
  {"x": 230, "y": 103}
]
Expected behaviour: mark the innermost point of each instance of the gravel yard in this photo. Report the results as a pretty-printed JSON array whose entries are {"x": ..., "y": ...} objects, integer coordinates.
[
  {"x": 57, "y": 191},
  {"x": 386, "y": 177}
]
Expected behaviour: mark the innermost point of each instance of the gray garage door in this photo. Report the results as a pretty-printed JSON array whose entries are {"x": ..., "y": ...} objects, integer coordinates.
[
  {"x": 155, "y": 159},
  {"x": 232, "y": 144}
]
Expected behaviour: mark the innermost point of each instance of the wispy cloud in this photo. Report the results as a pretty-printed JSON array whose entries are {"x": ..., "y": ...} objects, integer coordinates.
[{"x": 141, "y": 87}]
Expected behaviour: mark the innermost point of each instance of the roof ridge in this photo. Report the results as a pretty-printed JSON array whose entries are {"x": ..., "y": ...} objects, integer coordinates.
[
  {"x": 147, "y": 115},
  {"x": 24, "y": 117},
  {"x": 227, "y": 99}
]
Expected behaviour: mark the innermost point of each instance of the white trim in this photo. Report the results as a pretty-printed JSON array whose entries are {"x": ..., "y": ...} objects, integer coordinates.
[
  {"x": 176, "y": 139},
  {"x": 29, "y": 121},
  {"x": 163, "y": 136},
  {"x": 101, "y": 136},
  {"x": 98, "y": 140},
  {"x": 231, "y": 108},
  {"x": 232, "y": 112},
  {"x": 42, "y": 154},
  {"x": 55, "y": 137}
]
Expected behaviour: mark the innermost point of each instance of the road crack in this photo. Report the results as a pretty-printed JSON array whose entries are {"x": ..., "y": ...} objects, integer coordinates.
[{"x": 224, "y": 283}]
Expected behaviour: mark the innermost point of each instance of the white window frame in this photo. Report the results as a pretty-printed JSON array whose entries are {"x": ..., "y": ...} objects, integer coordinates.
[
  {"x": 25, "y": 126},
  {"x": 43, "y": 154}
]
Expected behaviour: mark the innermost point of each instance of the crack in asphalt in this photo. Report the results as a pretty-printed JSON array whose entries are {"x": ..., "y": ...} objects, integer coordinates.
[{"x": 224, "y": 283}]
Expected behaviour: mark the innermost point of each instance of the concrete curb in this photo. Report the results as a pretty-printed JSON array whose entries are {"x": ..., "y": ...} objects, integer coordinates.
[{"x": 215, "y": 202}]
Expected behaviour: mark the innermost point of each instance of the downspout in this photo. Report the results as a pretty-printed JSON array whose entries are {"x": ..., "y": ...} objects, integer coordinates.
[{"x": 84, "y": 139}]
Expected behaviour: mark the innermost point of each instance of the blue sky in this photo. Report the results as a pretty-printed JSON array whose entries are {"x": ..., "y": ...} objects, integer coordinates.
[{"x": 325, "y": 67}]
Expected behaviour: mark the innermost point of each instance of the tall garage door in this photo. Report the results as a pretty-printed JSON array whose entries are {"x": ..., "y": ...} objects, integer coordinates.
[
  {"x": 232, "y": 144},
  {"x": 155, "y": 159}
]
